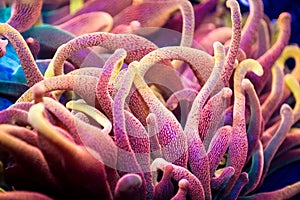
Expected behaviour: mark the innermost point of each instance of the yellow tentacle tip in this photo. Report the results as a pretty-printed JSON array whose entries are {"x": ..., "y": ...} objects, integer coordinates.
[
  {"x": 75, "y": 5},
  {"x": 35, "y": 115},
  {"x": 293, "y": 85},
  {"x": 230, "y": 3},
  {"x": 49, "y": 71},
  {"x": 254, "y": 66},
  {"x": 290, "y": 51}
]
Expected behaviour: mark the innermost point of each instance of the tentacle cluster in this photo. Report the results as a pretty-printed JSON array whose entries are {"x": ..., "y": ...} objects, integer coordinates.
[{"x": 122, "y": 110}]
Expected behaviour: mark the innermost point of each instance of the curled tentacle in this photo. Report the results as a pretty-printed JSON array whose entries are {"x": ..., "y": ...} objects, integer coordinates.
[
  {"x": 127, "y": 187},
  {"x": 110, "y": 70},
  {"x": 135, "y": 46},
  {"x": 164, "y": 188},
  {"x": 33, "y": 75},
  {"x": 92, "y": 112},
  {"x": 178, "y": 173},
  {"x": 238, "y": 147},
  {"x": 72, "y": 155},
  {"x": 183, "y": 187},
  {"x": 198, "y": 159}
]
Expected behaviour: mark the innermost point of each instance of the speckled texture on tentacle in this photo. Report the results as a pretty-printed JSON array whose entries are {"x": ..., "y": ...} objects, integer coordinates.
[
  {"x": 119, "y": 123},
  {"x": 25, "y": 106},
  {"x": 235, "y": 40},
  {"x": 201, "y": 10},
  {"x": 218, "y": 147},
  {"x": 110, "y": 69},
  {"x": 67, "y": 82},
  {"x": 155, "y": 147},
  {"x": 127, "y": 160},
  {"x": 52, "y": 37},
  {"x": 194, "y": 57},
  {"x": 135, "y": 46},
  {"x": 238, "y": 147},
  {"x": 33, "y": 75},
  {"x": 195, "y": 191},
  {"x": 25, "y": 13},
  {"x": 188, "y": 26},
  {"x": 198, "y": 159},
  {"x": 64, "y": 116},
  {"x": 218, "y": 182},
  {"x": 87, "y": 71},
  {"x": 170, "y": 134},
  {"x": 22, "y": 106},
  {"x": 140, "y": 144},
  {"x": 13, "y": 116},
  {"x": 211, "y": 115}
]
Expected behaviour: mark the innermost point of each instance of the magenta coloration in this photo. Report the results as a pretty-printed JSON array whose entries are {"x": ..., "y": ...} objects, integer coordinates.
[{"x": 160, "y": 100}]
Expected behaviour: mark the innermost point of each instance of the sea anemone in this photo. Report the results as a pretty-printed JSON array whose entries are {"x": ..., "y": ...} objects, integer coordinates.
[{"x": 153, "y": 99}]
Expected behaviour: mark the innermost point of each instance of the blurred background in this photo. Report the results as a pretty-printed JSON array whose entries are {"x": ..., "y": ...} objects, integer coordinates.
[{"x": 273, "y": 8}]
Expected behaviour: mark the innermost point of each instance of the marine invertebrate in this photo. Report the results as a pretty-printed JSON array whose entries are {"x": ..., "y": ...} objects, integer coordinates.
[{"x": 142, "y": 119}]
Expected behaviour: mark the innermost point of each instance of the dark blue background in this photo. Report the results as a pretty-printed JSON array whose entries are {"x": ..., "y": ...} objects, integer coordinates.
[{"x": 273, "y": 8}]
